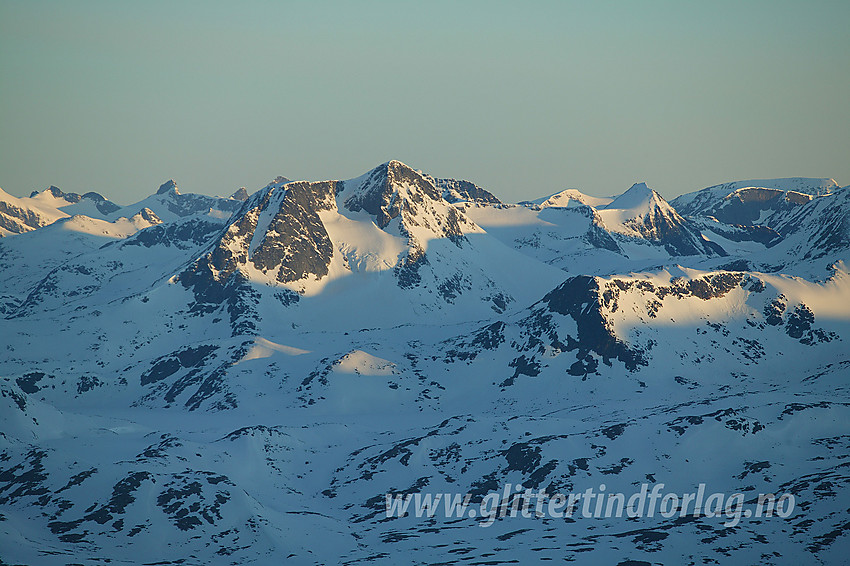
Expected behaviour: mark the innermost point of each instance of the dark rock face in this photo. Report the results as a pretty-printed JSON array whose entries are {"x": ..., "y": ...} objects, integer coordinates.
[
  {"x": 17, "y": 220},
  {"x": 183, "y": 499},
  {"x": 584, "y": 300},
  {"x": 395, "y": 190},
  {"x": 579, "y": 298},
  {"x": 799, "y": 322},
  {"x": 747, "y": 205},
  {"x": 541, "y": 336},
  {"x": 87, "y": 383},
  {"x": 241, "y": 194},
  {"x": 231, "y": 249},
  {"x": 379, "y": 195},
  {"x": 748, "y": 233},
  {"x": 467, "y": 348},
  {"x": 197, "y": 371},
  {"x": 459, "y": 191},
  {"x": 825, "y": 223},
  {"x": 190, "y": 499},
  {"x": 208, "y": 498},
  {"x": 712, "y": 286},
  {"x": 296, "y": 243},
  {"x": 189, "y": 204},
  {"x": 597, "y": 236},
  {"x": 28, "y": 382},
  {"x": 675, "y": 233},
  {"x": 805, "y": 225},
  {"x": 522, "y": 365},
  {"x": 167, "y": 366},
  {"x": 167, "y": 187},
  {"x": 407, "y": 271},
  {"x": 24, "y": 479},
  {"x": 103, "y": 205},
  {"x": 56, "y": 192},
  {"x": 182, "y": 235},
  {"x": 774, "y": 311},
  {"x": 211, "y": 278},
  {"x": 16, "y": 394},
  {"x": 294, "y": 246},
  {"x": 149, "y": 215}
]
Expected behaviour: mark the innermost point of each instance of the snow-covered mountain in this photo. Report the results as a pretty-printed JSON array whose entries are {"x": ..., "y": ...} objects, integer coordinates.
[
  {"x": 23, "y": 214},
  {"x": 89, "y": 204},
  {"x": 386, "y": 237},
  {"x": 752, "y": 202},
  {"x": 643, "y": 214},
  {"x": 205, "y": 380},
  {"x": 169, "y": 204},
  {"x": 569, "y": 197},
  {"x": 788, "y": 225},
  {"x": 455, "y": 190},
  {"x": 19, "y": 215},
  {"x": 633, "y": 231}
]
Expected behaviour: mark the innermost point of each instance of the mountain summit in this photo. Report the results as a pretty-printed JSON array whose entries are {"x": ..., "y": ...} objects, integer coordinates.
[
  {"x": 642, "y": 213},
  {"x": 168, "y": 187},
  {"x": 571, "y": 197},
  {"x": 388, "y": 229}
]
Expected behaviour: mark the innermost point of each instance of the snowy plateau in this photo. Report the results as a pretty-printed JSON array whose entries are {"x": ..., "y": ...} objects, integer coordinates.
[{"x": 201, "y": 380}]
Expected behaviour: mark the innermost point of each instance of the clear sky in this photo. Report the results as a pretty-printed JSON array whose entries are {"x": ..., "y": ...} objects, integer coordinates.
[{"x": 524, "y": 99}]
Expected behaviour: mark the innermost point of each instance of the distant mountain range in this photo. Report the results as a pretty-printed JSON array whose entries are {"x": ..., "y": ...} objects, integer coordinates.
[{"x": 200, "y": 380}]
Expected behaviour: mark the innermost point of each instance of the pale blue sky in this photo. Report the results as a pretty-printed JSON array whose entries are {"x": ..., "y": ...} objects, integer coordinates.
[{"x": 524, "y": 100}]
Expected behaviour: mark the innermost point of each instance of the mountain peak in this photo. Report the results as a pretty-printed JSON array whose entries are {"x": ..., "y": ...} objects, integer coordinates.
[
  {"x": 388, "y": 189},
  {"x": 241, "y": 194},
  {"x": 168, "y": 187},
  {"x": 278, "y": 181},
  {"x": 97, "y": 197},
  {"x": 395, "y": 163},
  {"x": 147, "y": 215},
  {"x": 568, "y": 198},
  {"x": 57, "y": 193},
  {"x": 754, "y": 201},
  {"x": 643, "y": 213},
  {"x": 639, "y": 196},
  {"x": 459, "y": 190},
  {"x": 640, "y": 190},
  {"x": 402, "y": 172}
]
